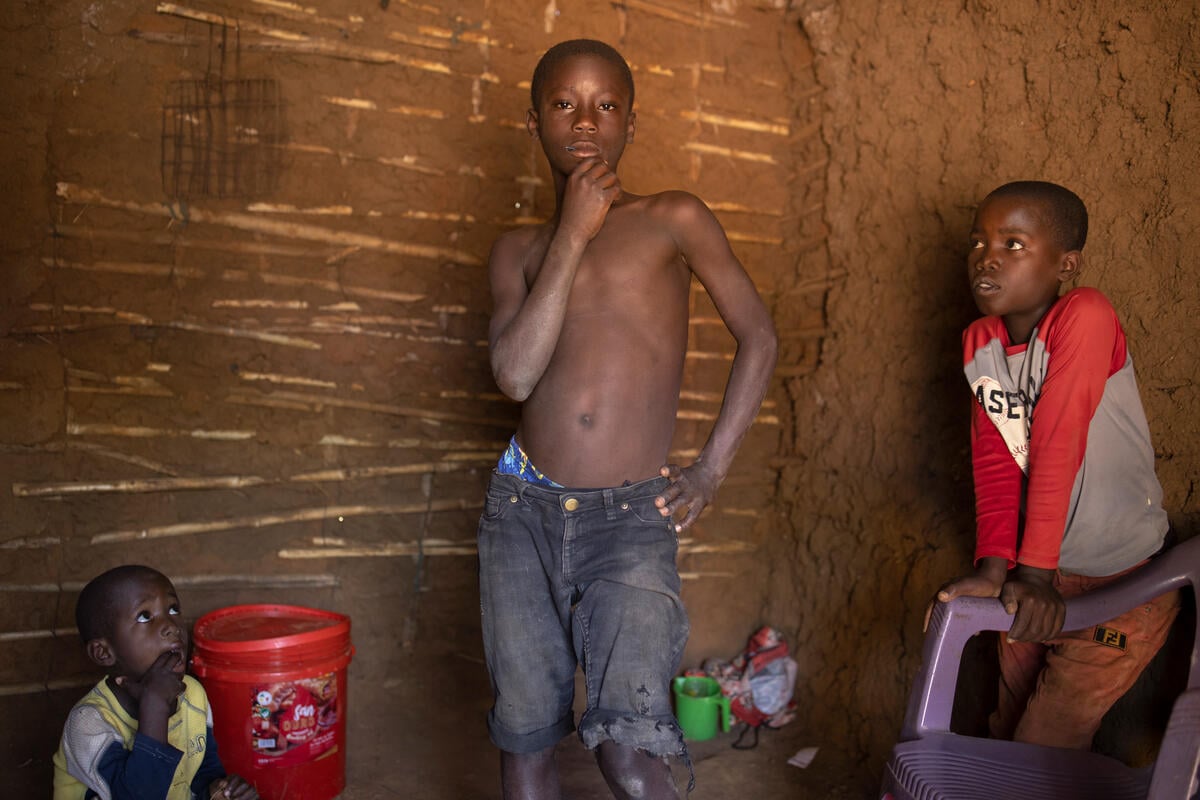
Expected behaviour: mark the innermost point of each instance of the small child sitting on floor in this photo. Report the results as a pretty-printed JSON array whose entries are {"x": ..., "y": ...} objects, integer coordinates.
[{"x": 145, "y": 731}]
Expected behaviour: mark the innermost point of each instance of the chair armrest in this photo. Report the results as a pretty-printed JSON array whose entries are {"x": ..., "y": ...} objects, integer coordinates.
[
  {"x": 1174, "y": 569},
  {"x": 953, "y": 623},
  {"x": 950, "y": 626}
]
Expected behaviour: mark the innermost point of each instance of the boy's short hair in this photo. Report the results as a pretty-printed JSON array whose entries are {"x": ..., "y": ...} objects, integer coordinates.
[
  {"x": 1068, "y": 218},
  {"x": 96, "y": 604},
  {"x": 576, "y": 47}
]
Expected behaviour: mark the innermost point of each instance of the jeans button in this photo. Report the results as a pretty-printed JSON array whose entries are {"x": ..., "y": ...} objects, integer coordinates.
[{"x": 570, "y": 504}]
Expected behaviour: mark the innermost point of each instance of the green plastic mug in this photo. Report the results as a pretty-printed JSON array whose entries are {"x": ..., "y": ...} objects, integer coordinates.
[{"x": 698, "y": 705}]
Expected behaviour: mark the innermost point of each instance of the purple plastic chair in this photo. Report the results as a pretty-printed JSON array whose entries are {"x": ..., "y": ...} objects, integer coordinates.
[{"x": 931, "y": 763}]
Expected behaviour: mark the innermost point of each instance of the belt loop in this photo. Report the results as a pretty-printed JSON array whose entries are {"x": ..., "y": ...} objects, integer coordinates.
[{"x": 610, "y": 509}]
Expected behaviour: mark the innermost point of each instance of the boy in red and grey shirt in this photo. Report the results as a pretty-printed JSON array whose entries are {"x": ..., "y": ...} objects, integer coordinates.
[{"x": 1065, "y": 491}]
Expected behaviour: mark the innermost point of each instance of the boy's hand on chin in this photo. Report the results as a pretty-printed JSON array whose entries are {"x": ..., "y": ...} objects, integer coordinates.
[
  {"x": 160, "y": 682},
  {"x": 591, "y": 189}
]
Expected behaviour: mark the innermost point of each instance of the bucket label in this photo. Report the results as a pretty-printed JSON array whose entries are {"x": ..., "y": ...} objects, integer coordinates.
[{"x": 293, "y": 721}]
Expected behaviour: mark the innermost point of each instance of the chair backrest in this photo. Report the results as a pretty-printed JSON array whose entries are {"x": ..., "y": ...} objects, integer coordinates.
[
  {"x": 1178, "y": 766},
  {"x": 953, "y": 623}
]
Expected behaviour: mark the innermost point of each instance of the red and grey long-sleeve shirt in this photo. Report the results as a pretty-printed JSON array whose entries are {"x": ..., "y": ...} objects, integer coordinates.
[{"x": 1064, "y": 469}]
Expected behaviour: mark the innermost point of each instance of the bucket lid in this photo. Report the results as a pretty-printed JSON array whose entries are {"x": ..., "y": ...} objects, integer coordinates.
[{"x": 255, "y": 628}]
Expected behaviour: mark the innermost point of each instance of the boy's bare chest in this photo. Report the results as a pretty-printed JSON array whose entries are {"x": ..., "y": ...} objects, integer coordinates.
[{"x": 622, "y": 261}]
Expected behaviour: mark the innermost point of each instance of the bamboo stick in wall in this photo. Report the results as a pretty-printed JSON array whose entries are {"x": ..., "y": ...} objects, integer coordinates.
[
  {"x": 208, "y": 582},
  {"x": 284, "y": 41},
  {"x": 256, "y": 521},
  {"x": 73, "y": 193}
]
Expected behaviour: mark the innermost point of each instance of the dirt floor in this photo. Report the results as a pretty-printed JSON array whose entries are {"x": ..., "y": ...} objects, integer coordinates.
[{"x": 444, "y": 751}]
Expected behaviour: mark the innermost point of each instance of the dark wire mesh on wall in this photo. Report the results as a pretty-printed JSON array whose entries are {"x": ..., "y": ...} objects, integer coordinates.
[{"x": 222, "y": 138}]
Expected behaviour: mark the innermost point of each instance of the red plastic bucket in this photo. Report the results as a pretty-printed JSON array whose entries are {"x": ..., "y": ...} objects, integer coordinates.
[{"x": 276, "y": 681}]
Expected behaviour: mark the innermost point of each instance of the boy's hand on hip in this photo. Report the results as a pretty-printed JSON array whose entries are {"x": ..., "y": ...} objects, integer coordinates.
[
  {"x": 691, "y": 487},
  {"x": 985, "y": 582},
  {"x": 591, "y": 189},
  {"x": 1039, "y": 608}
]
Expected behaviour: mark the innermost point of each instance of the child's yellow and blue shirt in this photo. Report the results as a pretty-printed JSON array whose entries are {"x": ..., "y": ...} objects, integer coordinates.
[{"x": 102, "y": 755}]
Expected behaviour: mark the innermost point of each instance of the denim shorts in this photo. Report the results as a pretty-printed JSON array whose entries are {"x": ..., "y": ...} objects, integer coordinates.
[{"x": 588, "y": 577}]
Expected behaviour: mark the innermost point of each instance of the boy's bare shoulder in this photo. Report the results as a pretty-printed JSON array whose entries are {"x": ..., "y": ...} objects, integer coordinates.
[
  {"x": 672, "y": 201},
  {"x": 519, "y": 238},
  {"x": 518, "y": 242},
  {"x": 677, "y": 211}
]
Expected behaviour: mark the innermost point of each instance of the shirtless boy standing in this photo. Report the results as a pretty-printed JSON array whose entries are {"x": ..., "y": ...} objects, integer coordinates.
[{"x": 589, "y": 331}]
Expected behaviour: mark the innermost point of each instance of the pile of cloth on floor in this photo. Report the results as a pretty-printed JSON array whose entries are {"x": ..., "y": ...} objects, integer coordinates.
[{"x": 759, "y": 682}]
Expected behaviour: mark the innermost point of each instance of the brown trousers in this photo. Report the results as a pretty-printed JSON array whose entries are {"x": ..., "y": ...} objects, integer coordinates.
[{"x": 1056, "y": 692}]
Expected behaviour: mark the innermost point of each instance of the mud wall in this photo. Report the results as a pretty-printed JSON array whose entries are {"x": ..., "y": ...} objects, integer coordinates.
[
  {"x": 929, "y": 105},
  {"x": 245, "y": 307}
]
